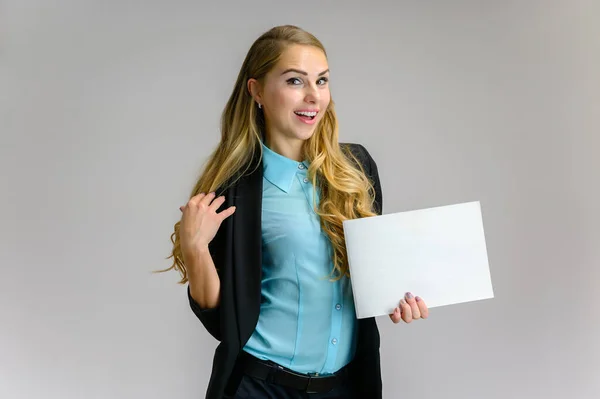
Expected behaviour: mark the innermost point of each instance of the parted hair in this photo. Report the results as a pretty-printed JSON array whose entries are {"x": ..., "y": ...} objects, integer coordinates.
[{"x": 345, "y": 192}]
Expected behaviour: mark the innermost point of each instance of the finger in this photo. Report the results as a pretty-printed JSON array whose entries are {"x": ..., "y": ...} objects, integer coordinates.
[
  {"x": 406, "y": 311},
  {"x": 414, "y": 308},
  {"x": 396, "y": 317},
  {"x": 207, "y": 199},
  {"x": 226, "y": 213},
  {"x": 216, "y": 204},
  {"x": 196, "y": 199},
  {"x": 422, "y": 307}
]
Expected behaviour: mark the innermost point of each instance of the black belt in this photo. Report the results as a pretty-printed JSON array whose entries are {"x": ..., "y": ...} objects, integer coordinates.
[{"x": 276, "y": 374}]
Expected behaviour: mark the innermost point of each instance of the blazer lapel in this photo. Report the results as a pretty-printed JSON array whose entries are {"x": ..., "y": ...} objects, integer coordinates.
[{"x": 247, "y": 250}]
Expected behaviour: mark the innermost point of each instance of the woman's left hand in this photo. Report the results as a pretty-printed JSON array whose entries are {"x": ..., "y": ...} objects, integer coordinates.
[{"x": 410, "y": 308}]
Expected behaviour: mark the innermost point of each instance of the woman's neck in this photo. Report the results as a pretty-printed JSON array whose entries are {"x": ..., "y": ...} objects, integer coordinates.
[{"x": 291, "y": 149}]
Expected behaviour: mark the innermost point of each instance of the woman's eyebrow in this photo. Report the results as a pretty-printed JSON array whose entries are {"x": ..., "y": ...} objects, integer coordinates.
[{"x": 302, "y": 72}]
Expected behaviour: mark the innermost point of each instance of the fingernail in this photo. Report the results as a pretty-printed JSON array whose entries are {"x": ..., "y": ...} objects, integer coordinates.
[
  {"x": 403, "y": 302},
  {"x": 409, "y": 295},
  {"x": 417, "y": 299}
]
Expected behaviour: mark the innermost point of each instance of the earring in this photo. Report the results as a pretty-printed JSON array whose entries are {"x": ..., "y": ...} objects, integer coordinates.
[{"x": 259, "y": 106}]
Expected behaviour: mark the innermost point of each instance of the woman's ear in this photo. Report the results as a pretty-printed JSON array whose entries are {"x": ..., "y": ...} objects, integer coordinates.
[{"x": 255, "y": 90}]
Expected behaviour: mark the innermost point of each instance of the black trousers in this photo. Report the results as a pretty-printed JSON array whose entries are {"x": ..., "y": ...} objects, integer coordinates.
[{"x": 254, "y": 388}]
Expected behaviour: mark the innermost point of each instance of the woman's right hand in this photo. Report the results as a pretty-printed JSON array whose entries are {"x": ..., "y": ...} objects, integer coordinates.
[{"x": 200, "y": 223}]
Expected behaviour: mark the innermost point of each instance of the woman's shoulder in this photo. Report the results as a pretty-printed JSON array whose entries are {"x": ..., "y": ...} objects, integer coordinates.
[{"x": 359, "y": 151}]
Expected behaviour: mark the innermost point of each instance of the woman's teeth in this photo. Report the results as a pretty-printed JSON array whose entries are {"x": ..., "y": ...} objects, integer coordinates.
[{"x": 309, "y": 114}]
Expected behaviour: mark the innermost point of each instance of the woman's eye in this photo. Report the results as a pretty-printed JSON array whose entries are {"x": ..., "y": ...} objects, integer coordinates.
[{"x": 296, "y": 81}]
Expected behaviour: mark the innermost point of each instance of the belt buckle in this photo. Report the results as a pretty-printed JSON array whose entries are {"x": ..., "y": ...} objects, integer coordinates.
[
  {"x": 315, "y": 384},
  {"x": 274, "y": 368},
  {"x": 309, "y": 389}
]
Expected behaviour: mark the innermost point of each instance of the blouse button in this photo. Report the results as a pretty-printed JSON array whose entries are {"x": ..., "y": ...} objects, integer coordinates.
[
  {"x": 300, "y": 166},
  {"x": 305, "y": 180}
]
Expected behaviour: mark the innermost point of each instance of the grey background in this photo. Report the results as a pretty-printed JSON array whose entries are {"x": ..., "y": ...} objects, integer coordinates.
[{"x": 109, "y": 108}]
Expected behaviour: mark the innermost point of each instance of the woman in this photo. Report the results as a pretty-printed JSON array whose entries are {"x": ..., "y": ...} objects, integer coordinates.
[{"x": 261, "y": 241}]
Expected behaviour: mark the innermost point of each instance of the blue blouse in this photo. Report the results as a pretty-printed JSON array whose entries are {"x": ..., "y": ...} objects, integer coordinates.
[{"x": 306, "y": 323}]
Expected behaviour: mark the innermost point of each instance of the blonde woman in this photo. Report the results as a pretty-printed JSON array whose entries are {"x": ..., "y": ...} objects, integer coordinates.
[{"x": 260, "y": 242}]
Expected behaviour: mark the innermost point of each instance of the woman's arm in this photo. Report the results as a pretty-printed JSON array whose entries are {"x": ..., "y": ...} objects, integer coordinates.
[
  {"x": 203, "y": 235},
  {"x": 209, "y": 313},
  {"x": 204, "y": 282}
]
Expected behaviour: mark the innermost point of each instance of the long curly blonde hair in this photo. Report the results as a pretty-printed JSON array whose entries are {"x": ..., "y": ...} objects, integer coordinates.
[{"x": 345, "y": 190}]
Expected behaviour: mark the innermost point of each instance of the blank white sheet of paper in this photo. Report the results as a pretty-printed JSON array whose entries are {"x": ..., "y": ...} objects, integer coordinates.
[{"x": 436, "y": 253}]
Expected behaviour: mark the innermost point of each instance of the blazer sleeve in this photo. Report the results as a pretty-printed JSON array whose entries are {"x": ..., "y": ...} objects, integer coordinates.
[
  {"x": 210, "y": 318},
  {"x": 365, "y": 369}
]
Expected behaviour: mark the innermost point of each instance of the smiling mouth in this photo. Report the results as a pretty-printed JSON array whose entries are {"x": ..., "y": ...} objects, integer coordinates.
[{"x": 307, "y": 115}]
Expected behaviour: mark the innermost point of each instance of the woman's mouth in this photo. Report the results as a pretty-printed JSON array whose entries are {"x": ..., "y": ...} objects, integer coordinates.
[{"x": 307, "y": 117}]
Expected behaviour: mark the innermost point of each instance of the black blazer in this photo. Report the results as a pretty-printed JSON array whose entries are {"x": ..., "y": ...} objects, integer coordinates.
[{"x": 236, "y": 252}]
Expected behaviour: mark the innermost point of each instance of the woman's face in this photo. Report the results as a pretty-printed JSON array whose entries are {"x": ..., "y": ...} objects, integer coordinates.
[{"x": 298, "y": 84}]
